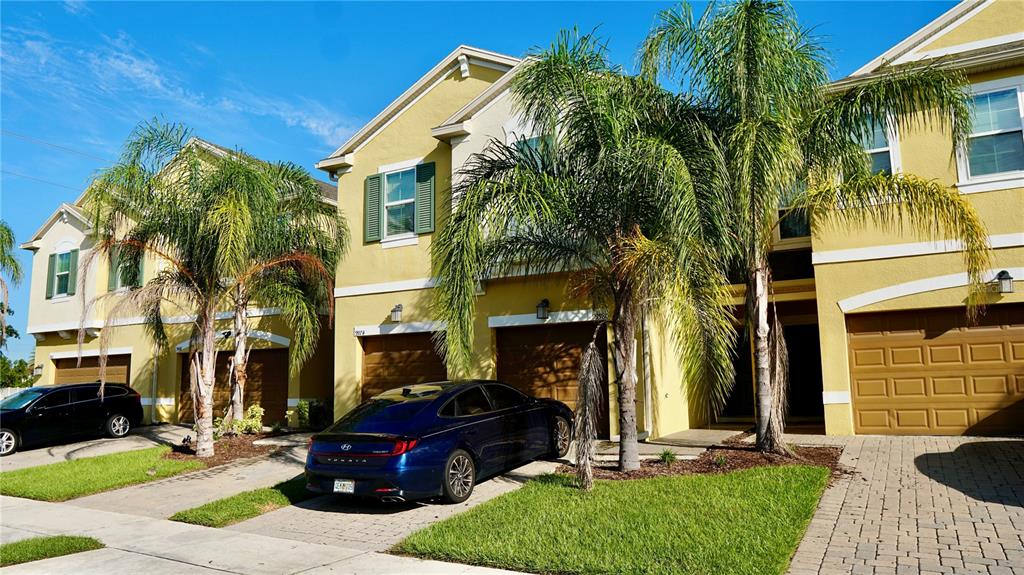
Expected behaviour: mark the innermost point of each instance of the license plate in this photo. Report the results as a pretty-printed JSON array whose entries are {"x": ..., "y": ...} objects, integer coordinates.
[{"x": 344, "y": 486}]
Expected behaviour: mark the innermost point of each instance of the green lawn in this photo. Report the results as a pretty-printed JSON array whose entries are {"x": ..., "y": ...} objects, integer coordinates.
[
  {"x": 246, "y": 505},
  {"x": 69, "y": 479},
  {"x": 37, "y": 548},
  {"x": 743, "y": 522}
]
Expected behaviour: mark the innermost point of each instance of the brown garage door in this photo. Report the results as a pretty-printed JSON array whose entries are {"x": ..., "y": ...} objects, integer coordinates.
[
  {"x": 267, "y": 385},
  {"x": 928, "y": 372},
  {"x": 68, "y": 370},
  {"x": 544, "y": 361},
  {"x": 391, "y": 361}
]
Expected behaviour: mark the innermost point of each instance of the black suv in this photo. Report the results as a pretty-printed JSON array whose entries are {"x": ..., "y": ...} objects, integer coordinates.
[{"x": 54, "y": 413}]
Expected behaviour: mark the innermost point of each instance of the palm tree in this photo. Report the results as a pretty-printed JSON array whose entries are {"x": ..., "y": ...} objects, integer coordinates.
[
  {"x": 614, "y": 196},
  {"x": 288, "y": 217},
  {"x": 785, "y": 131},
  {"x": 182, "y": 200},
  {"x": 10, "y": 267}
]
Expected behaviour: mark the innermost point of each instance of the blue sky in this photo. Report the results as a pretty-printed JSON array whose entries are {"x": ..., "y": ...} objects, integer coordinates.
[{"x": 284, "y": 81}]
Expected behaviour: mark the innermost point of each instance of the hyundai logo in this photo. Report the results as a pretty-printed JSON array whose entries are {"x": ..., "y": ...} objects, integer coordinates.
[{"x": 346, "y": 446}]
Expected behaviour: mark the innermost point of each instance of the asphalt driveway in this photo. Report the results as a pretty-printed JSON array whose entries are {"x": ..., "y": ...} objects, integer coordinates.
[{"x": 140, "y": 438}]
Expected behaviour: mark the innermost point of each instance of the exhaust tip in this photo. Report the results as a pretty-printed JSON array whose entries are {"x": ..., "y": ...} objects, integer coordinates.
[{"x": 392, "y": 499}]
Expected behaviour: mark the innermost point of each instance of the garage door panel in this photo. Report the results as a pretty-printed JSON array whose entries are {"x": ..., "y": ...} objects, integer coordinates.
[
  {"x": 947, "y": 377},
  {"x": 69, "y": 370},
  {"x": 544, "y": 361},
  {"x": 266, "y": 385},
  {"x": 391, "y": 361}
]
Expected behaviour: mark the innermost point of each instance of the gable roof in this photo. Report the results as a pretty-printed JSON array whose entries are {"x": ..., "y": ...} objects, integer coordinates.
[
  {"x": 462, "y": 57},
  {"x": 458, "y": 123},
  {"x": 909, "y": 50},
  {"x": 63, "y": 213}
]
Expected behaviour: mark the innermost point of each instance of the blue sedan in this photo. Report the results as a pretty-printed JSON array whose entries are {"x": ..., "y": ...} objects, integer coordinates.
[{"x": 435, "y": 439}]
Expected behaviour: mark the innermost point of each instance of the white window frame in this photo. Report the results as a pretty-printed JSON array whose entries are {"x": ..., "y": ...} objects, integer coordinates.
[
  {"x": 893, "y": 147},
  {"x": 968, "y": 184},
  {"x": 63, "y": 251},
  {"x": 387, "y": 240}
]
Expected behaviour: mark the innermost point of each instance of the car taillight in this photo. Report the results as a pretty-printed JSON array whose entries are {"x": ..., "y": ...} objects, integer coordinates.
[{"x": 403, "y": 445}]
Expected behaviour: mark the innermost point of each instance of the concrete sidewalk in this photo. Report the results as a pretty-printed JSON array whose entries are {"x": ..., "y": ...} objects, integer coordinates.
[
  {"x": 163, "y": 498},
  {"x": 140, "y": 438},
  {"x": 153, "y": 546}
]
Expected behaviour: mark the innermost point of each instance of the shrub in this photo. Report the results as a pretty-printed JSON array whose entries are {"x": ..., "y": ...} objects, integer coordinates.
[
  {"x": 668, "y": 457},
  {"x": 321, "y": 414},
  {"x": 253, "y": 422},
  {"x": 302, "y": 412}
]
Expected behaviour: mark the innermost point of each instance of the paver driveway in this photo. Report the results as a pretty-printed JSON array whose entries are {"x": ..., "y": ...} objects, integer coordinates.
[{"x": 921, "y": 505}]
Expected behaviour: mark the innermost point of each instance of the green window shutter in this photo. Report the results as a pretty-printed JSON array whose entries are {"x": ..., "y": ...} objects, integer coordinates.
[
  {"x": 51, "y": 263},
  {"x": 425, "y": 198},
  {"x": 373, "y": 206},
  {"x": 112, "y": 272},
  {"x": 73, "y": 275},
  {"x": 138, "y": 278}
]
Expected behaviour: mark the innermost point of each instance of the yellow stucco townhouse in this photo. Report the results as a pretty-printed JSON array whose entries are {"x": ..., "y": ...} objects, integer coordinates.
[
  {"x": 64, "y": 279},
  {"x": 874, "y": 319}
]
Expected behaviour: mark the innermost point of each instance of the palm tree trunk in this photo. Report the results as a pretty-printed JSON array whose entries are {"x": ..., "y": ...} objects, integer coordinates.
[
  {"x": 240, "y": 361},
  {"x": 769, "y": 428},
  {"x": 204, "y": 365},
  {"x": 624, "y": 354}
]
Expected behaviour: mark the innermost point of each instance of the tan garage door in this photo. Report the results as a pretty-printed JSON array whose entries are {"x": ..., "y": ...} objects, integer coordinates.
[
  {"x": 928, "y": 372},
  {"x": 544, "y": 361},
  {"x": 267, "y": 385},
  {"x": 391, "y": 361},
  {"x": 68, "y": 370}
]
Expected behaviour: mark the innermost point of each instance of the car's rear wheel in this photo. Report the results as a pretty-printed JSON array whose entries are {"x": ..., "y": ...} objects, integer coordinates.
[
  {"x": 561, "y": 437},
  {"x": 459, "y": 477},
  {"x": 8, "y": 442},
  {"x": 118, "y": 426}
]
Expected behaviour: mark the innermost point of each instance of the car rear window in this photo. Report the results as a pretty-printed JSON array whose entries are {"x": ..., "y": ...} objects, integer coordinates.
[{"x": 376, "y": 411}]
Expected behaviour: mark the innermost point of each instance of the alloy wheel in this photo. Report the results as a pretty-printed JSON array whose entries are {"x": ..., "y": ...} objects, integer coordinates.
[
  {"x": 119, "y": 425},
  {"x": 460, "y": 476},
  {"x": 562, "y": 436},
  {"x": 7, "y": 442}
]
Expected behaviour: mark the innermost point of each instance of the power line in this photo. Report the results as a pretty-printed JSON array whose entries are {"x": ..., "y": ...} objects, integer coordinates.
[
  {"x": 51, "y": 145},
  {"x": 10, "y": 173}
]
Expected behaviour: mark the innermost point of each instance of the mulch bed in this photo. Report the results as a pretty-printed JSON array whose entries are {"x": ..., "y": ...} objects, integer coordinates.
[
  {"x": 225, "y": 450},
  {"x": 723, "y": 459}
]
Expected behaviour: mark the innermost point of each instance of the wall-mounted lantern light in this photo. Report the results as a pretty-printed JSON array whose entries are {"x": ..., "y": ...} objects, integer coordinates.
[
  {"x": 543, "y": 308},
  {"x": 1004, "y": 282},
  {"x": 396, "y": 313}
]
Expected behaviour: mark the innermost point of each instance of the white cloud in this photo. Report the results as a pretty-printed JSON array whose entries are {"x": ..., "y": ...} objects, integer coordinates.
[
  {"x": 75, "y": 6},
  {"x": 331, "y": 127}
]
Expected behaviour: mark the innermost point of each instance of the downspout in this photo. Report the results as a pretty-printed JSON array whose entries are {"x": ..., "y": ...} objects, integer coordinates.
[
  {"x": 152, "y": 385},
  {"x": 646, "y": 365}
]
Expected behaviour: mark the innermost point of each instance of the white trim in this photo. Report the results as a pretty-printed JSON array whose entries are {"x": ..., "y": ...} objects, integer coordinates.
[
  {"x": 931, "y": 31},
  {"x": 399, "y": 166},
  {"x": 914, "y": 249},
  {"x": 834, "y": 397},
  {"x": 1007, "y": 181},
  {"x": 61, "y": 213},
  {"x": 385, "y": 287},
  {"x": 497, "y": 321},
  {"x": 90, "y": 353},
  {"x": 396, "y": 328},
  {"x": 226, "y": 333},
  {"x": 138, "y": 320},
  {"x": 914, "y": 287},
  {"x": 400, "y": 240},
  {"x": 965, "y": 47},
  {"x": 146, "y": 401}
]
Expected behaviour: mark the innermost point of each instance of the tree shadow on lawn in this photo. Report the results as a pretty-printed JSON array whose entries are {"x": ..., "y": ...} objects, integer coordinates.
[{"x": 986, "y": 470}]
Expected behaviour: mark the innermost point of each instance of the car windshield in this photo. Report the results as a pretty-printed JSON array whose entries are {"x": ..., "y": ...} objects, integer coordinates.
[{"x": 22, "y": 398}]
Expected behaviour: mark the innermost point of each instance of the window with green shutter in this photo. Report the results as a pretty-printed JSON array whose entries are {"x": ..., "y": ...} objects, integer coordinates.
[
  {"x": 399, "y": 203},
  {"x": 120, "y": 276},
  {"x": 61, "y": 274}
]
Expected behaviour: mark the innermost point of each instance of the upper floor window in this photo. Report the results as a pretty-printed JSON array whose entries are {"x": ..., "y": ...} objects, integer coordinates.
[
  {"x": 61, "y": 274},
  {"x": 996, "y": 144},
  {"x": 400, "y": 202},
  {"x": 879, "y": 150},
  {"x": 121, "y": 276}
]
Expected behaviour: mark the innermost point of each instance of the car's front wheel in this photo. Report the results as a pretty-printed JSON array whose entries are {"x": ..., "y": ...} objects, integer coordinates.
[
  {"x": 118, "y": 425},
  {"x": 459, "y": 477},
  {"x": 561, "y": 437},
  {"x": 8, "y": 442}
]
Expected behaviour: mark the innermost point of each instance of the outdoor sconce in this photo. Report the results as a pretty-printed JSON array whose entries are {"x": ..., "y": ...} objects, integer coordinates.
[
  {"x": 396, "y": 313},
  {"x": 1004, "y": 282},
  {"x": 542, "y": 309}
]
